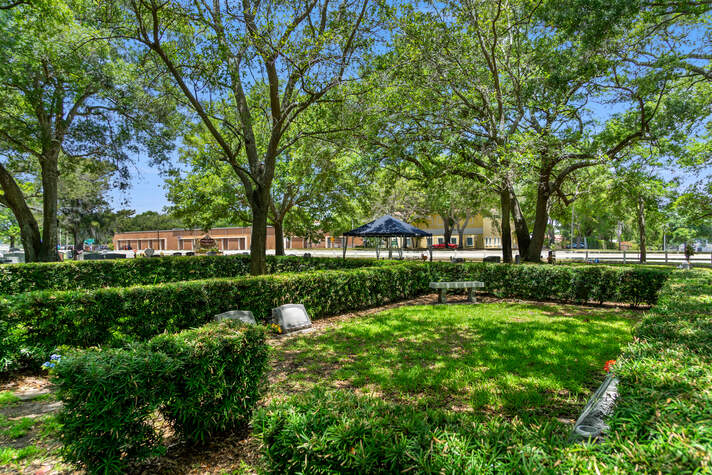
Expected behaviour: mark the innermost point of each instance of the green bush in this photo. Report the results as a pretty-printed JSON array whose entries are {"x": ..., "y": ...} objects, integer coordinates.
[
  {"x": 41, "y": 321},
  {"x": 220, "y": 381},
  {"x": 203, "y": 381},
  {"x": 70, "y": 275},
  {"x": 108, "y": 399},
  {"x": 114, "y": 316},
  {"x": 338, "y": 432},
  {"x": 635, "y": 285},
  {"x": 662, "y": 420}
]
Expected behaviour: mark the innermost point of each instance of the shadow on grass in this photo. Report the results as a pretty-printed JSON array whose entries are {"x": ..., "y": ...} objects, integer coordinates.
[{"x": 505, "y": 358}]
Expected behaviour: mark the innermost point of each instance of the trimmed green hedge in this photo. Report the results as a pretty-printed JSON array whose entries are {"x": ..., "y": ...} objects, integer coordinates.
[
  {"x": 663, "y": 420},
  {"x": 38, "y": 322},
  {"x": 204, "y": 382},
  {"x": 41, "y": 321},
  {"x": 71, "y": 275},
  {"x": 635, "y": 285}
]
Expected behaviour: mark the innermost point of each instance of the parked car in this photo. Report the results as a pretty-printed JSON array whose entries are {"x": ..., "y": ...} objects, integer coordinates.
[{"x": 443, "y": 246}]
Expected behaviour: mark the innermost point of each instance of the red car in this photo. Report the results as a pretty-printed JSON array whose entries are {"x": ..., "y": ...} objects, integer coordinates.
[{"x": 443, "y": 246}]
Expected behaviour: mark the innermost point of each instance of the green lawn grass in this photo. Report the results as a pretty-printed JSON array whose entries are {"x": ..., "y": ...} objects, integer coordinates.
[
  {"x": 487, "y": 388},
  {"x": 504, "y": 358},
  {"x": 7, "y": 398}
]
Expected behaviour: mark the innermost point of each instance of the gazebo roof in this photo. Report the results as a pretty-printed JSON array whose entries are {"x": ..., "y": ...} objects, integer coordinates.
[{"x": 387, "y": 226}]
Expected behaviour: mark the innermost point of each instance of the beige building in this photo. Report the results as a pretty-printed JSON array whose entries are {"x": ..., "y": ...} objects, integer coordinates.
[{"x": 479, "y": 232}]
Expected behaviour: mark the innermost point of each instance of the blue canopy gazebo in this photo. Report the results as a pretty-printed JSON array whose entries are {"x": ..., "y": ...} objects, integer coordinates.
[{"x": 384, "y": 227}]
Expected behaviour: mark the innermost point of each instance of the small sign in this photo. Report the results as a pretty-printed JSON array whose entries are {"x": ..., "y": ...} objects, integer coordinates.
[
  {"x": 207, "y": 242},
  {"x": 89, "y": 241}
]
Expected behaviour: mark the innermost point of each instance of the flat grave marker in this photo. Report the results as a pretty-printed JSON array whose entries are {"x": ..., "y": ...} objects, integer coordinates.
[{"x": 242, "y": 315}]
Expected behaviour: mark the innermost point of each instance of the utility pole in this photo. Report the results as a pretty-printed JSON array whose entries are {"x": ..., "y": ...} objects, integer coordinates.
[
  {"x": 571, "y": 246},
  {"x": 664, "y": 239}
]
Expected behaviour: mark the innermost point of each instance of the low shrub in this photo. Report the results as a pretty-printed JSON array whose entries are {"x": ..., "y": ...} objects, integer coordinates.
[
  {"x": 221, "y": 377},
  {"x": 40, "y": 321},
  {"x": 108, "y": 399},
  {"x": 70, "y": 275},
  {"x": 662, "y": 421},
  {"x": 635, "y": 285},
  {"x": 338, "y": 432},
  {"x": 204, "y": 381}
]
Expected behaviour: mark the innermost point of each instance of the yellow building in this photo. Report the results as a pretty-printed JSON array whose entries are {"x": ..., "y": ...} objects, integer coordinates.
[{"x": 479, "y": 232}]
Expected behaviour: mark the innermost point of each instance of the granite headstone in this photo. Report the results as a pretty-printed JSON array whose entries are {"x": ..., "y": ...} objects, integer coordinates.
[{"x": 291, "y": 317}]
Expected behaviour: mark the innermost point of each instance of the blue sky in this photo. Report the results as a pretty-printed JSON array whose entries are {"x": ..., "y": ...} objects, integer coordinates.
[{"x": 146, "y": 192}]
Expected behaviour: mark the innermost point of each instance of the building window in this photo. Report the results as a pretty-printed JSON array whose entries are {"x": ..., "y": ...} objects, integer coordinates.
[
  {"x": 470, "y": 242},
  {"x": 441, "y": 240},
  {"x": 453, "y": 240}
]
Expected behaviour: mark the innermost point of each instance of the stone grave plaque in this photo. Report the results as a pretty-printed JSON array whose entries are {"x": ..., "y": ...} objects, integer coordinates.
[
  {"x": 242, "y": 315},
  {"x": 291, "y": 317}
]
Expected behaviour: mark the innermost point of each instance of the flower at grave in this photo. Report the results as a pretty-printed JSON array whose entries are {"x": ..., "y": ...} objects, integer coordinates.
[
  {"x": 53, "y": 361},
  {"x": 608, "y": 365}
]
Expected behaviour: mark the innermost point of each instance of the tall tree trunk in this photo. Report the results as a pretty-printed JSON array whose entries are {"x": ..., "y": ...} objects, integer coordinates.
[
  {"x": 258, "y": 247},
  {"x": 447, "y": 229},
  {"x": 50, "y": 175},
  {"x": 552, "y": 234},
  {"x": 279, "y": 237},
  {"x": 75, "y": 236},
  {"x": 520, "y": 223},
  {"x": 461, "y": 227},
  {"x": 29, "y": 229},
  {"x": 505, "y": 208},
  {"x": 541, "y": 219},
  {"x": 12, "y": 241},
  {"x": 641, "y": 229}
]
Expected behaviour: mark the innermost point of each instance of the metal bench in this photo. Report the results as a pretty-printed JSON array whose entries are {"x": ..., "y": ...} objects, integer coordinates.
[{"x": 469, "y": 285}]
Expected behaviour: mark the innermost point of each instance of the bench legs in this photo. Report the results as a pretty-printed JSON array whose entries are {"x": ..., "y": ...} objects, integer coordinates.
[{"x": 471, "y": 296}]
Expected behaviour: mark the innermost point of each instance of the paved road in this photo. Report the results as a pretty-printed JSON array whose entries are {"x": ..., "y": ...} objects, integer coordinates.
[{"x": 561, "y": 255}]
